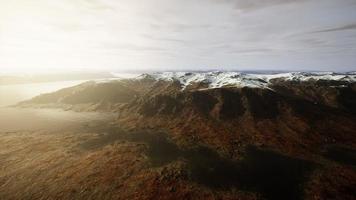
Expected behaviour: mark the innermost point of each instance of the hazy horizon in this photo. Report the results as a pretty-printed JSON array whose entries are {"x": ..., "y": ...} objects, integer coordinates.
[{"x": 103, "y": 73}]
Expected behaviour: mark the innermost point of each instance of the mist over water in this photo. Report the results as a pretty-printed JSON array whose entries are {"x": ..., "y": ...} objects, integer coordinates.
[
  {"x": 29, "y": 119},
  {"x": 13, "y": 94},
  {"x": 19, "y": 119}
]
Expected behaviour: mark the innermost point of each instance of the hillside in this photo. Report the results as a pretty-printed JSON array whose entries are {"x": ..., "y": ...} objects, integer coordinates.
[
  {"x": 302, "y": 107},
  {"x": 301, "y": 115}
]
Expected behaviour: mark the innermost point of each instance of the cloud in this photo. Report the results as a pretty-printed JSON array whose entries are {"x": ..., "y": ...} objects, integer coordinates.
[
  {"x": 177, "y": 33},
  {"x": 165, "y": 39},
  {"x": 179, "y": 27},
  {"x": 128, "y": 47},
  {"x": 248, "y": 51},
  {"x": 340, "y": 28},
  {"x": 315, "y": 42},
  {"x": 247, "y": 5}
]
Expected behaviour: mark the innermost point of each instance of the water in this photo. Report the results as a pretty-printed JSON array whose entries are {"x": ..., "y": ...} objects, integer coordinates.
[
  {"x": 12, "y": 94},
  {"x": 19, "y": 119},
  {"x": 273, "y": 175},
  {"x": 28, "y": 119}
]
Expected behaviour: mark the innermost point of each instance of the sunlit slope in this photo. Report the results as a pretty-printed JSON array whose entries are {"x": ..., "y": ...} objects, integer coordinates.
[{"x": 294, "y": 116}]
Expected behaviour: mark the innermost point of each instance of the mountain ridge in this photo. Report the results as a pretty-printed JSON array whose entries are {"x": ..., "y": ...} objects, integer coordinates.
[
  {"x": 294, "y": 106},
  {"x": 300, "y": 117}
]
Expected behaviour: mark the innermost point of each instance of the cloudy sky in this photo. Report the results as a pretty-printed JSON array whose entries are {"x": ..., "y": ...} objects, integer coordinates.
[{"x": 51, "y": 35}]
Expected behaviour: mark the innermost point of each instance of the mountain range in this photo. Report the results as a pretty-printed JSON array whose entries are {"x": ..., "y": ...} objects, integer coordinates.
[{"x": 298, "y": 114}]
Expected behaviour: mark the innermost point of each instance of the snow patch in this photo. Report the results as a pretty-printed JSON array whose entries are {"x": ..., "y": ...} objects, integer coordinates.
[{"x": 219, "y": 79}]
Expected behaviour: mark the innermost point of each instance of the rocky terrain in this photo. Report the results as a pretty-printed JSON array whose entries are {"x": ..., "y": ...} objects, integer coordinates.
[{"x": 308, "y": 117}]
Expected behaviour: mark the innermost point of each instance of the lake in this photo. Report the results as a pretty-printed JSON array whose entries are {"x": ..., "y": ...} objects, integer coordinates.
[
  {"x": 12, "y": 94},
  {"x": 19, "y": 119}
]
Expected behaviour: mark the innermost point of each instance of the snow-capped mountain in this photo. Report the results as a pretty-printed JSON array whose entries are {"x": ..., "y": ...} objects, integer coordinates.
[{"x": 239, "y": 79}]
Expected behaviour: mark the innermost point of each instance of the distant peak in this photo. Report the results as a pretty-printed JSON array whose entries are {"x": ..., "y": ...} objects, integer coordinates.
[{"x": 218, "y": 79}]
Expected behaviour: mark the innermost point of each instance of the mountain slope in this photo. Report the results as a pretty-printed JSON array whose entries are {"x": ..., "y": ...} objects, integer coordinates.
[
  {"x": 299, "y": 115},
  {"x": 292, "y": 112}
]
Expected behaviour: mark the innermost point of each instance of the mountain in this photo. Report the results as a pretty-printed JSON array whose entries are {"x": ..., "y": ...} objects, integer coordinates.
[
  {"x": 299, "y": 114},
  {"x": 238, "y": 79},
  {"x": 289, "y": 111}
]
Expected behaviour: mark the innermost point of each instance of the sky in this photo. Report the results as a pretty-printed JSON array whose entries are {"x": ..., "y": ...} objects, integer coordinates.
[{"x": 116, "y": 35}]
